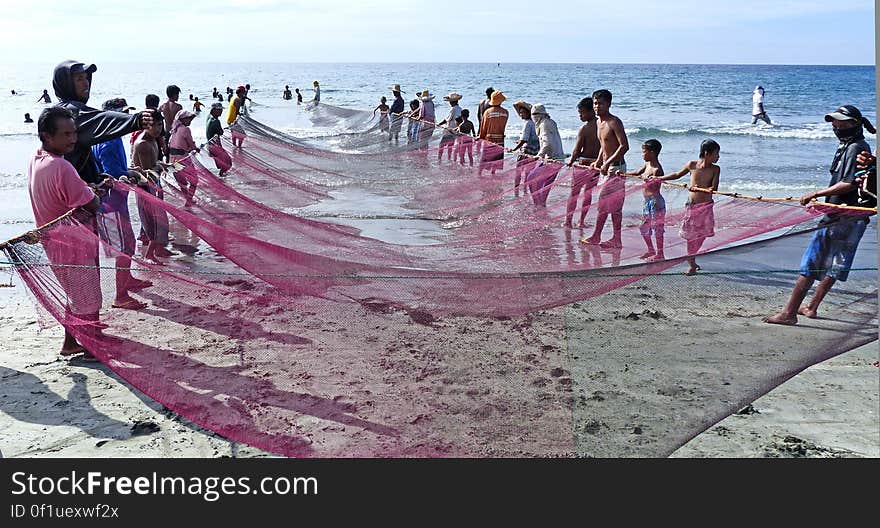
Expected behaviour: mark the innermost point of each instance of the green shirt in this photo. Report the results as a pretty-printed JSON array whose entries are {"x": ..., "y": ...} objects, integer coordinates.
[{"x": 214, "y": 127}]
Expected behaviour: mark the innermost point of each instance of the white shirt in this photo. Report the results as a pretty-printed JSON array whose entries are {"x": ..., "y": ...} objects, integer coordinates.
[
  {"x": 454, "y": 113},
  {"x": 757, "y": 102}
]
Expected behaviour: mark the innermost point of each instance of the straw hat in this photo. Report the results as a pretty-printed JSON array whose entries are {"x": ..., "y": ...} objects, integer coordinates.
[
  {"x": 522, "y": 105},
  {"x": 452, "y": 97},
  {"x": 427, "y": 95},
  {"x": 396, "y": 88},
  {"x": 497, "y": 98}
]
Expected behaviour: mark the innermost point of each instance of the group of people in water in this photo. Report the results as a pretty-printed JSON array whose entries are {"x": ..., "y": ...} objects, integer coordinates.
[
  {"x": 600, "y": 147},
  {"x": 599, "y": 152},
  {"x": 82, "y": 159},
  {"x": 287, "y": 95}
]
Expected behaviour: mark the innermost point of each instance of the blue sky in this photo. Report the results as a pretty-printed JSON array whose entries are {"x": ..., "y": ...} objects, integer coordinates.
[{"x": 584, "y": 31}]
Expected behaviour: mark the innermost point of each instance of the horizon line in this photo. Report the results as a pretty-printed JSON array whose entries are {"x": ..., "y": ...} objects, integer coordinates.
[{"x": 477, "y": 63}]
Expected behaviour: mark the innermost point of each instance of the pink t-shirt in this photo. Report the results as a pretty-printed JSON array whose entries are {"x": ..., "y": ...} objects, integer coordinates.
[
  {"x": 182, "y": 139},
  {"x": 55, "y": 187}
]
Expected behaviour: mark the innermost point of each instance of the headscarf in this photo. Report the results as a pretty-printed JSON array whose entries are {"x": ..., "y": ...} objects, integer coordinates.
[{"x": 178, "y": 118}]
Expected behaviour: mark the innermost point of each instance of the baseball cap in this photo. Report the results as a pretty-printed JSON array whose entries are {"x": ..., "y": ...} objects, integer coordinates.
[
  {"x": 80, "y": 67},
  {"x": 845, "y": 113}
]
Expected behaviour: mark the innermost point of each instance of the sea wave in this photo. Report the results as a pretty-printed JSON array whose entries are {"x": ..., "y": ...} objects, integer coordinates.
[
  {"x": 759, "y": 186},
  {"x": 13, "y": 133},
  {"x": 807, "y": 131},
  {"x": 817, "y": 131},
  {"x": 12, "y": 181}
]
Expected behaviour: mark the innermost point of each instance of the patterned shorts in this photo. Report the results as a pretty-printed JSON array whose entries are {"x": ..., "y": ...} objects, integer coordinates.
[
  {"x": 653, "y": 216},
  {"x": 832, "y": 249},
  {"x": 699, "y": 221}
]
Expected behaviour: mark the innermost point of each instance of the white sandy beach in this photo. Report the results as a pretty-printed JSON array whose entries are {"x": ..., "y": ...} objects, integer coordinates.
[{"x": 55, "y": 408}]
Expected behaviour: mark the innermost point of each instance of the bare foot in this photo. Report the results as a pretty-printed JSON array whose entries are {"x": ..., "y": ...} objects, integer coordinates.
[
  {"x": 72, "y": 351},
  {"x": 164, "y": 252},
  {"x": 658, "y": 256},
  {"x": 781, "y": 319},
  {"x": 692, "y": 271},
  {"x": 155, "y": 260},
  {"x": 611, "y": 244},
  {"x": 138, "y": 284},
  {"x": 88, "y": 357},
  {"x": 807, "y": 312},
  {"x": 129, "y": 303},
  {"x": 647, "y": 255}
]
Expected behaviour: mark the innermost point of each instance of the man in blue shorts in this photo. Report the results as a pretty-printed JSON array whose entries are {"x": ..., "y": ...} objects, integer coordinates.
[{"x": 829, "y": 256}]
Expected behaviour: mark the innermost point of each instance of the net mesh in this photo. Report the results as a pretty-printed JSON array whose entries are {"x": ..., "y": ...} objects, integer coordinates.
[{"x": 451, "y": 316}]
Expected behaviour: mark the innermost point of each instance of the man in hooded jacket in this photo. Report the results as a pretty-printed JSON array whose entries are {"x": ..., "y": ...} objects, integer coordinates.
[{"x": 72, "y": 83}]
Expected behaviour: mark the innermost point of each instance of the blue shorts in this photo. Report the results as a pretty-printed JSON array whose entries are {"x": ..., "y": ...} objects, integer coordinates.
[
  {"x": 653, "y": 216},
  {"x": 832, "y": 249}
]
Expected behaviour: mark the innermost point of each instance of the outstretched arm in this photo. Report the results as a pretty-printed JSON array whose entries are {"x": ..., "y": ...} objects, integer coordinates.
[
  {"x": 676, "y": 175},
  {"x": 835, "y": 190},
  {"x": 636, "y": 173}
]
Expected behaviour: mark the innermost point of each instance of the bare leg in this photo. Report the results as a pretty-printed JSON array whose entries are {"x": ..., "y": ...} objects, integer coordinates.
[
  {"x": 597, "y": 231},
  {"x": 572, "y": 203},
  {"x": 646, "y": 236},
  {"x": 71, "y": 346},
  {"x": 693, "y": 247},
  {"x": 659, "y": 236},
  {"x": 822, "y": 289},
  {"x": 617, "y": 225},
  {"x": 585, "y": 207},
  {"x": 123, "y": 279},
  {"x": 788, "y": 315}
]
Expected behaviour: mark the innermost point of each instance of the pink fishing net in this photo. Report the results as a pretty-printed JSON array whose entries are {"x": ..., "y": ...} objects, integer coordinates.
[{"x": 477, "y": 327}]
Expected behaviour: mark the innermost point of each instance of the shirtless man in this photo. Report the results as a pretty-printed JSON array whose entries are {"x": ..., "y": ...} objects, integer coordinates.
[
  {"x": 699, "y": 217},
  {"x": 612, "y": 146},
  {"x": 169, "y": 109},
  {"x": 586, "y": 150}
]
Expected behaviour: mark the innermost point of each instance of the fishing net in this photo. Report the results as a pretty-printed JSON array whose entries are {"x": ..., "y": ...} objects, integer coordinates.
[{"x": 396, "y": 302}]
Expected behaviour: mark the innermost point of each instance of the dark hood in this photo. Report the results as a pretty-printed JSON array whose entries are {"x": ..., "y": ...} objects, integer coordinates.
[{"x": 62, "y": 82}]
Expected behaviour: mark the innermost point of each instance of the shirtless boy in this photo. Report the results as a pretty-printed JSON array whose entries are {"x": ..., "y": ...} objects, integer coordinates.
[
  {"x": 699, "y": 217},
  {"x": 586, "y": 150},
  {"x": 654, "y": 212}
]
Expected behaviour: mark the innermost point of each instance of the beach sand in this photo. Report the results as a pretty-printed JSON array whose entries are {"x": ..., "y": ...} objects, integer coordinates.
[{"x": 541, "y": 396}]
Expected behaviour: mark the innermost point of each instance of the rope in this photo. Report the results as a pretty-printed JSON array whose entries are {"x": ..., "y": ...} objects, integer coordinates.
[
  {"x": 536, "y": 275},
  {"x": 681, "y": 185},
  {"x": 35, "y": 233}
]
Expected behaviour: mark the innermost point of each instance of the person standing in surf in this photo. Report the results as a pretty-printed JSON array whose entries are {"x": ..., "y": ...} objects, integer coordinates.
[{"x": 758, "y": 111}]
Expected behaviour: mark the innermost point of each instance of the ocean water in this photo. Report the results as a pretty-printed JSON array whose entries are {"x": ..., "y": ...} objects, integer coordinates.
[{"x": 678, "y": 104}]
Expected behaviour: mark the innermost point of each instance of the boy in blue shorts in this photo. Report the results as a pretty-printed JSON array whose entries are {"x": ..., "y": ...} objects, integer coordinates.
[{"x": 654, "y": 212}]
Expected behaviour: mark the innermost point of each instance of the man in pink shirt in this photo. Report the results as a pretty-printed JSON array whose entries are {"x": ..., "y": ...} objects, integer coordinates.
[{"x": 55, "y": 188}]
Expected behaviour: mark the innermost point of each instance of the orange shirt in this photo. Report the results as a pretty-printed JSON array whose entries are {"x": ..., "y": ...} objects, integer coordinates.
[{"x": 493, "y": 124}]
